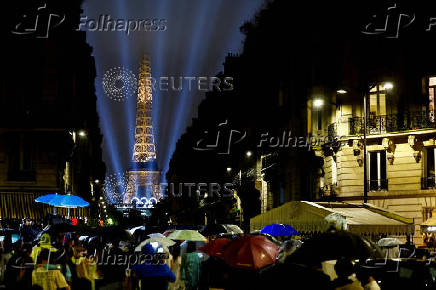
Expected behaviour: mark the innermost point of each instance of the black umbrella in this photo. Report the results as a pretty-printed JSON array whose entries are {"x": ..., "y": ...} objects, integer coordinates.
[
  {"x": 213, "y": 229},
  {"x": 333, "y": 245},
  {"x": 61, "y": 228},
  {"x": 115, "y": 233}
]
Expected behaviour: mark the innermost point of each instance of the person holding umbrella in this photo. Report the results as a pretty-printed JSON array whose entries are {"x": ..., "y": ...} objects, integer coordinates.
[
  {"x": 152, "y": 276},
  {"x": 190, "y": 268}
]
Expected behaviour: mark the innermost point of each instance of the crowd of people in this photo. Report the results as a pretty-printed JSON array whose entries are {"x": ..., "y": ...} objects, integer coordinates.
[{"x": 63, "y": 260}]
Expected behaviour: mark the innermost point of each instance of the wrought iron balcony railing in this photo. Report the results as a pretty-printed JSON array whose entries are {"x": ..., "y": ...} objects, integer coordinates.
[
  {"x": 393, "y": 123},
  {"x": 377, "y": 184},
  {"x": 428, "y": 182}
]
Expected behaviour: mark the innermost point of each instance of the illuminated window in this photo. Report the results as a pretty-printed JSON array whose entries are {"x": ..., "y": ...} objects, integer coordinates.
[
  {"x": 431, "y": 96},
  {"x": 377, "y": 170},
  {"x": 429, "y": 168},
  {"x": 427, "y": 213},
  {"x": 377, "y": 100},
  {"x": 334, "y": 172}
]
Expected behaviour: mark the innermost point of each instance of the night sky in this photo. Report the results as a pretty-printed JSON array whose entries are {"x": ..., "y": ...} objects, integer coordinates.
[{"x": 198, "y": 36}]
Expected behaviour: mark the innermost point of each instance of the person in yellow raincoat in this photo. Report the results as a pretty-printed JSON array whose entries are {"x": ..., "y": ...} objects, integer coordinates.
[{"x": 44, "y": 243}]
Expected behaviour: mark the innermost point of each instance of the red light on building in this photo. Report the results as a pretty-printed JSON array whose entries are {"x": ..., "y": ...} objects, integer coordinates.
[
  {"x": 101, "y": 223},
  {"x": 74, "y": 221}
]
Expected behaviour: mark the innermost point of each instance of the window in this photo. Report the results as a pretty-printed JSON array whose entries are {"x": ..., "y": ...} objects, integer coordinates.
[
  {"x": 319, "y": 120},
  {"x": 20, "y": 159},
  {"x": 377, "y": 171},
  {"x": 334, "y": 172},
  {"x": 377, "y": 109},
  {"x": 377, "y": 100},
  {"x": 431, "y": 96},
  {"x": 427, "y": 213},
  {"x": 429, "y": 174}
]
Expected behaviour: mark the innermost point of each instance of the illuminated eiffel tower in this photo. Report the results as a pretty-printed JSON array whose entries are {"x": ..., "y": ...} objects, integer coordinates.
[{"x": 143, "y": 176}]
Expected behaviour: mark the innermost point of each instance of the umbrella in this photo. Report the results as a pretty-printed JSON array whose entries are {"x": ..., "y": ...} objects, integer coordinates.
[
  {"x": 60, "y": 228},
  {"x": 279, "y": 230},
  {"x": 115, "y": 233},
  {"x": 133, "y": 230},
  {"x": 338, "y": 221},
  {"x": 388, "y": 242},
  {"x": 163, "y": 241},
  {"x": 268, "y": 236},
  {"x": 216, "y": 247},
  {"x": 184, "y": 246},
  {"x": 250, "y": 252},
  {"x": 215, "y": 229},
  {"x": 68, "y": 201},
  {"x": 333, "y": 245},
  {"x": 156, "y": 235},
  {"x": 168, "y": 232},
  {"x": 47, "y": 198},
  {"x": 189, "y": 235},
  {"x": 63, "y": 200}
]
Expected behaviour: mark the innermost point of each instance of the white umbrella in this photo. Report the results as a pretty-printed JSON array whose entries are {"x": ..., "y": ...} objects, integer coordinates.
[
  {"x": 233, "y": 229},
  {"x": 133, "y": 230},
  {"x": 198, "y": 244},
  {"x": 165, "y": 242},
  {"x": 388, "y": 242},
  {"x": 156, "y": 235},
  {"x": 187, "y": 235}
]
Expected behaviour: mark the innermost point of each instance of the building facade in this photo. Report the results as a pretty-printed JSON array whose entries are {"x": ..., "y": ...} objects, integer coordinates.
[
  {"x": 49, "y": 127},
  {"x": 400, "y": 145}
]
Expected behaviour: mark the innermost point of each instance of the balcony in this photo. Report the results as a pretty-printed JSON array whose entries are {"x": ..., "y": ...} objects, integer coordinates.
[
  {"x": 393, "y": 123},
  {"x": 378, "y": 185},
  {"x": 428, "y": 182}
]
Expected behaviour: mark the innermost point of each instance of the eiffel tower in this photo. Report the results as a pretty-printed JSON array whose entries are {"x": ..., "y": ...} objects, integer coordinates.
[{"x": 143, "y": 176}]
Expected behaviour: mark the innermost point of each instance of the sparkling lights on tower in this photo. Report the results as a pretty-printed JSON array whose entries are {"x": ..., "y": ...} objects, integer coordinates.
[{"x": 143, "y": 177}]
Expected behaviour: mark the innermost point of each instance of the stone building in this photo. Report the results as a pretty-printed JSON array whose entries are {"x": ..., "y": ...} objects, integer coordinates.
[
  {"x": 400, "y": 146},
  {"x": 49, "y": 127}
]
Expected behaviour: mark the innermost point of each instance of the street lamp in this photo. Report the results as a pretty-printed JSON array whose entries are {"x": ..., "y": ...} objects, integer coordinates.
[
  {"x": 318, "y": 103},
  {"x": 388, "y": 86},
  {"x": 229, "y": 169},
  {"x": 341, "y": 92},
  {"x": 82, "y": 133},
  {"x": 248, "y": 153}
]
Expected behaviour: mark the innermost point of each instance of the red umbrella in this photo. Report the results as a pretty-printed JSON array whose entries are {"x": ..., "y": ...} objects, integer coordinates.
[
  {"x": 250, "y": 252},
  {"x": 215, "y": 248}
]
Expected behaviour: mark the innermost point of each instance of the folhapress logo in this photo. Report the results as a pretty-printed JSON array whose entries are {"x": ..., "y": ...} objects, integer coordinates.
[
  {"x": 107, "y": 23},
  {"x": 390, "y": 23},
  {"x": 394, "y": 20},
  {"x": 39, "y": 23}
]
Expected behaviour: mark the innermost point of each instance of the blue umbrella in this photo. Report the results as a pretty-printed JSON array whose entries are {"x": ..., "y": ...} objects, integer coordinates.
[
  {"x": 69, "y": 201},
  {"x": 279, "y": 230},
  {"x": 47, "y": 198}
]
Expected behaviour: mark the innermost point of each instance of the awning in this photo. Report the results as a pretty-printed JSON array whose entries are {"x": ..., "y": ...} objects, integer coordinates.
[
  {"x": 309, "y": 217},
  {"x": 18, "y": 205}
]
